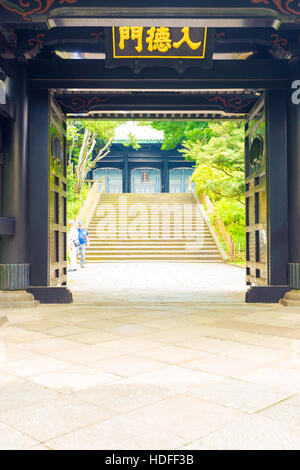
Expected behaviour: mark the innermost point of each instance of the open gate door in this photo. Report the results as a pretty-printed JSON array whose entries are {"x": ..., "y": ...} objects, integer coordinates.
[
  {"x": 266, "y": 199},
  {"x": 57, "y": 196},
  {"x": 256, "y": 197},
  {"x": 48, "y": 199}
]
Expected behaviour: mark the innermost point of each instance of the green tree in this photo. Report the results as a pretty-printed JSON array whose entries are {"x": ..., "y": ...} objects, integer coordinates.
[
  {"x": 220, "y": 170},
  {"x": 88, "y": 142},
  {"x": 177, "y": 132}
]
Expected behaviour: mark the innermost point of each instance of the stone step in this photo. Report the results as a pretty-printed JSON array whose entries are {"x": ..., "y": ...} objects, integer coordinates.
[
  {"x": 130, "y": 223},
  {"x": 148, "y": 203},
  {"x": 137, "y": 226},
  {"x": 179, "y": 205},
  {"x": 128, "y": 239},
  {"x": 148, "y": 236},
  {"x": 150, "y": 208},
  {"x": 147, "y": 220},
  {"x": 151, "y": 245},
  {"x": 29, "y": 304},
  {"x": 149, "y": 242},
  {"x": 161, "y": 204},
  {"x": 146, "y": 244},
  {"x": 153, "y": 257},
  {"x": 126, "y": 213},
  {"x": 140, "y": 195},
  {"x": 162, "y": 250},
  {"x": 151, "y": 226},
  {"x": 149, "y": 217},
  {"x": 162, "y": 260},
  {"x": 147, "y": 199},
  {"x": 198, "y": 246}
]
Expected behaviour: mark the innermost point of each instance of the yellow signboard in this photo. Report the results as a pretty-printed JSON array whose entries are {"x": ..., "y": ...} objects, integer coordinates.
[{"x": 132, "y": 42}]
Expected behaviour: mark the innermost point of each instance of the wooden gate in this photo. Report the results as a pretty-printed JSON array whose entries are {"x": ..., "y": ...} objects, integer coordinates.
[
  {"x": 57, "y": 241},
  {"x": 256, "y": 197}
]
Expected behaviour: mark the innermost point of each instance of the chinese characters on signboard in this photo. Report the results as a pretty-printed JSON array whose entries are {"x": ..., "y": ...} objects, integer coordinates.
[{"x": 159, "y": 42}]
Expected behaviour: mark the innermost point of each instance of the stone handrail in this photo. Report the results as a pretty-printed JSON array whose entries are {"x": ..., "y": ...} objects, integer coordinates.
[
  {"x": 208, "y": 209},
  {"x": 91, "y": 201},
  {"x": 218, "y": 223}
]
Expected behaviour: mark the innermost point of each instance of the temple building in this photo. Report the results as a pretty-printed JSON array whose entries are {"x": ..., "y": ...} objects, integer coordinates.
[{"x": 145, "y": 170}]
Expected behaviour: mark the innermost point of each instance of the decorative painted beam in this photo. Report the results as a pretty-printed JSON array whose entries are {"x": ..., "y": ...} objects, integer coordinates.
[
  {"x": 210, "y": 102},
  {"x": 237, "y": 13}
]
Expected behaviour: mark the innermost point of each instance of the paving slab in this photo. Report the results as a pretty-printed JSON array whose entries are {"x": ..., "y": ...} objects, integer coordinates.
[
  {"x": 120, "y": 433},
  {"x": 151, "y": 357},
  {"x": 251, "y": 433},
  {"x": 10, "y": 439}
]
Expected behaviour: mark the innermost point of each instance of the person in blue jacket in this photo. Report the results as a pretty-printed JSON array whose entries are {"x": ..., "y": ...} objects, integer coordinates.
[{"x": 83, "y": 238}]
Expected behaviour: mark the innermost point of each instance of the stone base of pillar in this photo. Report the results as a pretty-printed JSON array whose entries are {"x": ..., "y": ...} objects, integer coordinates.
[
  {"x": 265, "y": 294},
  {"x": 51, "y": 295},
  {"x": 17, "y": 299},
  {"x": 291, "y": 299}
]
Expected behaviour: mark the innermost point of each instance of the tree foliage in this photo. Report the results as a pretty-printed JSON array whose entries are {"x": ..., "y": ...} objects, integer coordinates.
[
  {"x": 176, "y": 132},
  {"x": 220, "y": 161},
  {"x": 88, "y": 142}
]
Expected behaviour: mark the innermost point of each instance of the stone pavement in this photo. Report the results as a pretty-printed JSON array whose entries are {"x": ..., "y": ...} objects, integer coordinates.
[{"x": 180, "y": 362}]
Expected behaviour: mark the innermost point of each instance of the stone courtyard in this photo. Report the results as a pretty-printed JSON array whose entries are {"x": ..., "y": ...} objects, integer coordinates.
[{"x": 151, "y": 356}]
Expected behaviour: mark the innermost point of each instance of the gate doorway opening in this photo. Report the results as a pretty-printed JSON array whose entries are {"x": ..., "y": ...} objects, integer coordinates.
[
  {"x": 141, "y": 259},
  {"x": 146, "y": 180}
]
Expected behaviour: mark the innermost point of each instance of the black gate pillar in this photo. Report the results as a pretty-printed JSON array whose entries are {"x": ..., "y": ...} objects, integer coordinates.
[
  {"x": 14, "y": 247},
  {"x": 277, "y": 193},
  {"x": 39, "y": 129},
  {"x": 292, "y": 298}
]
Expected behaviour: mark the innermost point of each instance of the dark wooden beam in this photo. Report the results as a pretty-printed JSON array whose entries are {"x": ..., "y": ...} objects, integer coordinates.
[
  {"x": 161, "y": 10},
  {"x": 270, "y": 74}
]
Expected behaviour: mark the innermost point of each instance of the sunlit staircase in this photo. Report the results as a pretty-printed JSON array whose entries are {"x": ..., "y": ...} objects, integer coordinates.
[{"x": 141, "y": 227}]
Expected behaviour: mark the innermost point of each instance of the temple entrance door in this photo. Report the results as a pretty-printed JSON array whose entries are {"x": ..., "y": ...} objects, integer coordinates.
[
  {"x": 145, "y": 180},
  {"x": 57, "y": 242},
  {"x": 48, "y": 199},
  {"x": 179, "y": 179},
  {"x": 266, "y": 198},
  {"x": 113, "y": 179},
  {"x": 256, "y": 198}
]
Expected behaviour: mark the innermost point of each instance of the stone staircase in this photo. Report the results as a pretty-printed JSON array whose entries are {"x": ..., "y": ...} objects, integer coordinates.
[{"x": 141, "y": 227}]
